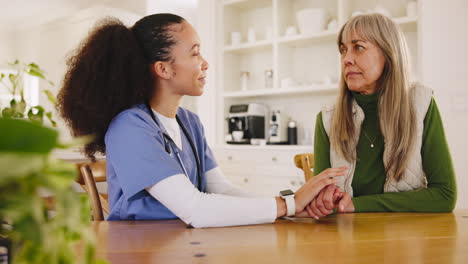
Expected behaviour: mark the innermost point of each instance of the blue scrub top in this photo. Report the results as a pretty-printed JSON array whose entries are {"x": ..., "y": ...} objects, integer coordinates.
[{"x": 137, "y": 159}]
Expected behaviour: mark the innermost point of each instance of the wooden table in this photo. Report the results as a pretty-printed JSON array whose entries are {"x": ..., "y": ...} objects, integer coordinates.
[{"x": 394, "y": 238}]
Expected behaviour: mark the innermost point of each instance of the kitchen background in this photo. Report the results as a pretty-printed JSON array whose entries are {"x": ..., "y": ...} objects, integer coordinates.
[{"x": 267, "y": 61}]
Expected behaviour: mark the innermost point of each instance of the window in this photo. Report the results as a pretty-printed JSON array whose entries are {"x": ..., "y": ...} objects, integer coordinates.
[{"x": 31, "y": 89}]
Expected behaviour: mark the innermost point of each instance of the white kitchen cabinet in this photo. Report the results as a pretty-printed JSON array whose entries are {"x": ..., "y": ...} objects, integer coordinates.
[{"x": 261, "y": 170}]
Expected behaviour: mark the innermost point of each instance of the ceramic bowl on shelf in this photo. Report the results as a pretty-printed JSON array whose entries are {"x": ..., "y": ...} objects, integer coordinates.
[
  {"x": 311, "y": 20},
  {"x": 287, "y": 82},
  {"x": 290, "y": 31}
]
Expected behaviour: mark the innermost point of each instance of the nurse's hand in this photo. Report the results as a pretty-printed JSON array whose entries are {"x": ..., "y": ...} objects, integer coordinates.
[{"x": 310, "y": 190}]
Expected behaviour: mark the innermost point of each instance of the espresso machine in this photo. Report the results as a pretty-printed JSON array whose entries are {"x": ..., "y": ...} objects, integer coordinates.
[{"x": 246, "y": 122}]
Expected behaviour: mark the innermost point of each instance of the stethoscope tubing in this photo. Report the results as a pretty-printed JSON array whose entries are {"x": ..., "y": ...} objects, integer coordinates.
[{"x": 166, "y": 138}]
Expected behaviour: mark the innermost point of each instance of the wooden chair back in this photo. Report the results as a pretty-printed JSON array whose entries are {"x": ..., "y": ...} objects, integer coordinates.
[
  {"x": 305, "y": 162},
  {"x": 89, "y": 174}
]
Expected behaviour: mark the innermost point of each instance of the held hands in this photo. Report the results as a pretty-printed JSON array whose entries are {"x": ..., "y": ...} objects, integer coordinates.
[
  {"x": 308, "y": 193},
  {"x": 330, "y": 198}
]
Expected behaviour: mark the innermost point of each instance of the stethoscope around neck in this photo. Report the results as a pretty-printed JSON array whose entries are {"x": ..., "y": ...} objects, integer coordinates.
[{"x": 168, "y": 140}]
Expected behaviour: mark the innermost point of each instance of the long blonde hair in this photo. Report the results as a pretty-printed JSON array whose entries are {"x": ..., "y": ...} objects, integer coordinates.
[{"x": 395, "y": 111}]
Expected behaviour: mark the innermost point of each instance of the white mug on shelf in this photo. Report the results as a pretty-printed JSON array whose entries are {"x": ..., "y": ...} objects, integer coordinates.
[
  {"x": 290, "y": 31},
  {"x": 235, "y": 38},
  {"x": 412, "y": 9}
]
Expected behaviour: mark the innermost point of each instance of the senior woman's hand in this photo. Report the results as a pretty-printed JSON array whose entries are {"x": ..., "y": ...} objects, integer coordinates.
[
  {"x": 326, "y": 201},
  {"x": 309, "y": 191},
  {"x": 330, "y": 198},
  {"x": 313, "y": 187},
  {"x": 346, "y": 204}
]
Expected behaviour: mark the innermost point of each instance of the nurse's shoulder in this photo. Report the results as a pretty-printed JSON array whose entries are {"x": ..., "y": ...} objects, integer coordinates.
[{"x": 130, "y": 121}]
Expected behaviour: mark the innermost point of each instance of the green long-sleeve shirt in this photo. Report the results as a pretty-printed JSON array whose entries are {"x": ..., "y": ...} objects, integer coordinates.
[{"x": 369, "y": 176}]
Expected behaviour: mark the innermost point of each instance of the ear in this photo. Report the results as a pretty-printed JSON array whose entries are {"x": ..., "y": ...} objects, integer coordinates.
[{"x": 162, "y": 69}]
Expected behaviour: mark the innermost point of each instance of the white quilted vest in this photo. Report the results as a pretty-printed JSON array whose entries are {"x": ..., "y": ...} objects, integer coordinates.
[{"x": 413, "y": 177}]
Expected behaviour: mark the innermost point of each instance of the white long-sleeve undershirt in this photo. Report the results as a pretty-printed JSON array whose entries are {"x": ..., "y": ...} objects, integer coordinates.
[{"x": 224, "y": 204}]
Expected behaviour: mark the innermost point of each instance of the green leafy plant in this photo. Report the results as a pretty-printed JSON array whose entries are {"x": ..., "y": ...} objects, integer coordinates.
[
  {"x": 14, "y": 84},
  {"x": 28, "y": 170}
]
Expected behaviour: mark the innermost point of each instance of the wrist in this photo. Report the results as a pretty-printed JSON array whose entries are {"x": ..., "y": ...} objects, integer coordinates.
[
  {"x": 280, "y": 207},
  {"x": 298, "y": 201},
  {"x": 289, "y": 198}
]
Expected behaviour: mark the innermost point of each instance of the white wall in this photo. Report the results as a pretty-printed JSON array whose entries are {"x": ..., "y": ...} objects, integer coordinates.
[
  {"x": 134, "y": 6},
  {"x": 206, "y": 108},
  {"x": 26, "y": 44},
  {"x": 444, "y": 56},
  {"x": 184, "y": 8},
  {"x": 51, "y": 44},
  {"x": 6, "y": 54}
]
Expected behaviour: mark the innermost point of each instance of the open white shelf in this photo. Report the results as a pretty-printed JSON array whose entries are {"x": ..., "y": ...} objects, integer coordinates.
[
  {"x": 303, "y": 40},
  {"x": 249, "y": 47},
  {"x": 407, "y": 23},
  {"x": 283, "y": 91},
  {"x": 303, "y": 58}
]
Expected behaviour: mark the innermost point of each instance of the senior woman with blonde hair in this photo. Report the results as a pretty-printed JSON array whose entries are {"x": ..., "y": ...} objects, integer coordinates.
[{"x": 387, "y": 131}]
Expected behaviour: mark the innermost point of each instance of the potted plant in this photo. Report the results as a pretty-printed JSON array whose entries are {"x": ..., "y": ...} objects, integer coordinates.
[
  {"x": 14, "y": 84},
  {"x": 27, "y": 172}
]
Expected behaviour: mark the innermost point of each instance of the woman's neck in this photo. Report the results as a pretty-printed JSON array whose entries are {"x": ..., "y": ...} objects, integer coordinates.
[{"x": 165, "y": 101}]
